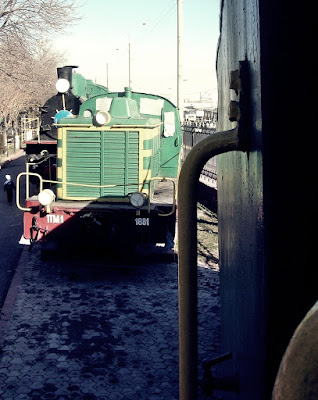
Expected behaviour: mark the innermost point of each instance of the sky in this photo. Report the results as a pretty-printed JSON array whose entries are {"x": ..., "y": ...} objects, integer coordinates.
[{"x": 100, "y": 42}]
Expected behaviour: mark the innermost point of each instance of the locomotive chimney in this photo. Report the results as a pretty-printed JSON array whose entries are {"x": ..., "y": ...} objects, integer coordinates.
[{"x": 66, "y": 73}]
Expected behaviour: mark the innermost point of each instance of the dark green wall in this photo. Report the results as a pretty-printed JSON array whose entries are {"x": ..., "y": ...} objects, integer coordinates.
[{"x": 265, "y": 196}]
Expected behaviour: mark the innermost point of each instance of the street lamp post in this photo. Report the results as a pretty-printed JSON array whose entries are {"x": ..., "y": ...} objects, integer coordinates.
[
  {"x": 179, "y": 59},
  {"x": 129, "y": 64}
]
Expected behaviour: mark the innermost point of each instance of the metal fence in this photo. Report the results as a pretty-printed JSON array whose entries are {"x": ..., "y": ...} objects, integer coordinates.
[
  {"x": 29, "y": 128},
  {"x": 193, "y": 133}
]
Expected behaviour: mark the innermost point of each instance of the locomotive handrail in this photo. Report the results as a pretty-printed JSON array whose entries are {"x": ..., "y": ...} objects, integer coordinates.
[
  {"x": 18, "y": 188},
  {"x": 52, "y": 182},
  {"x": 79, "y": 184},
  {"x": 174, "y": 195},
  {"x": 27, "y": 173},
  {"x": 136, "y": 125},
  {"x": 217, "y": 143},
  {"x": 115, "y": 126}
]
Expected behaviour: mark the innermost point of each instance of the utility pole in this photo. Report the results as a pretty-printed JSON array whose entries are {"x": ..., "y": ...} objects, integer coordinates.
[
  {"x": 129, "y": 64},
  {"x": 179, "y": 59}
]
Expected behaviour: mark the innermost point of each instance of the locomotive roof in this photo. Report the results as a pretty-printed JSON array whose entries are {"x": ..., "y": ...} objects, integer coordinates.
[{"x": 125, "y": 108}]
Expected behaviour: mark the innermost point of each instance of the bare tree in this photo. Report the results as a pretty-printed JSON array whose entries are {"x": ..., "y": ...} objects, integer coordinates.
[
  {"x": 27, "y": 77},
  {"x": 27, "y": 62},
  {"x": 26, "y": 80},
  {"x": 33, "y": 19}
]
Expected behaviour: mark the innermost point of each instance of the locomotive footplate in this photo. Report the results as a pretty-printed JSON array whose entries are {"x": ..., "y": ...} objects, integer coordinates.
[{"x": 99, "y": 224}]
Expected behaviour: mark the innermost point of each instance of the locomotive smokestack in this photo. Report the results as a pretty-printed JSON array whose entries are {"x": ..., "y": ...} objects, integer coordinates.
[{"x": 66, "y": 72}]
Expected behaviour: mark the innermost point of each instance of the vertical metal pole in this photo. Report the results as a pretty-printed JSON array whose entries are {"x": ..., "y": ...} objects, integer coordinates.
[
  {"x": 129, "y": 64},
  {"x": 27, "y": 191},
  {"x": 179, "y": 59},
  {"x": 218, "y": 143}
]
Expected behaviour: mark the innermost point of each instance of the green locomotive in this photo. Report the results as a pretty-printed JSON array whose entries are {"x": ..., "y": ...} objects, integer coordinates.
[{"x": 117, "y": 163}]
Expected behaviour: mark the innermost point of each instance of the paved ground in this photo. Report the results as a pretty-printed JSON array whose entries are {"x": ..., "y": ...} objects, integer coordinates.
[
  {"x": 86, "y": 331},
  {"x": 11, "y": 226}
]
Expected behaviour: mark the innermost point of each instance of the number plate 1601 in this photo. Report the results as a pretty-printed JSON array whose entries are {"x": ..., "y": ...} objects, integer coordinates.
[{"x": 142, "y": 221}]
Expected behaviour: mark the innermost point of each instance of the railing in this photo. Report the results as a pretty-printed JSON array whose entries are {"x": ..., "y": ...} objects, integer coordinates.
[
  {"x": 30, "y": 129},
  {"x": 42, "y": 181},
  {"x": 193, "y": 133}
]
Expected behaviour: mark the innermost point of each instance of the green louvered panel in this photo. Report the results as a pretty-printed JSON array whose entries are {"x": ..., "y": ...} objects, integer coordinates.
[
  {"x": 83, "y": 156},
  {"x": 102, "y": 158},
  {"x": 120, "y": 163}
]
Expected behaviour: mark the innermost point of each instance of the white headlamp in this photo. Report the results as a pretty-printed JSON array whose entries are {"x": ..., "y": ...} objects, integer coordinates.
[
  {"x": 102, "y": 118},
  {"x": 62, "y": 85},
  {"x": 46, "y": 197}
]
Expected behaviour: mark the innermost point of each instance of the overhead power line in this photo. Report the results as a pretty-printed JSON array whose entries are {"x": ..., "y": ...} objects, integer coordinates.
[
  {"x": 168, "y": 11},
  {"x": 158, "y": 20}
]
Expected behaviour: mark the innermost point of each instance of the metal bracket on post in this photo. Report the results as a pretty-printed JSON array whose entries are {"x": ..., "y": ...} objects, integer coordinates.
[
  {"x": 210, "y": 383},
  {"x": 236, "y": 139}
]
